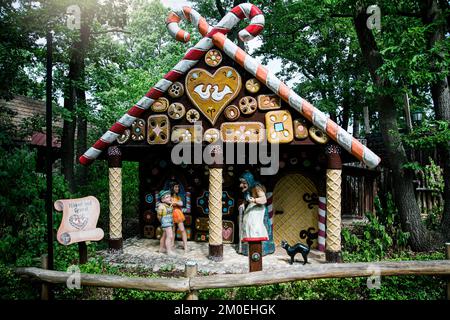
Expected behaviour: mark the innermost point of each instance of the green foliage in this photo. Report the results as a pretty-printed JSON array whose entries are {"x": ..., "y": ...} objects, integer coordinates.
[
  {"x": 429, "y": 135},
  {"x": 377, "y": 238}
]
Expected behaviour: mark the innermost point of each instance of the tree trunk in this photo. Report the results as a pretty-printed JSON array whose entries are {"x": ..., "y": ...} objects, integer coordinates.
[
  {"x": 82, "y": 107},
  {"x": 69, "y": 126},
  {"x": 440, "y": 93},
  {"x": 356, "y": 125},
  {"x": 403, "y": 179}
]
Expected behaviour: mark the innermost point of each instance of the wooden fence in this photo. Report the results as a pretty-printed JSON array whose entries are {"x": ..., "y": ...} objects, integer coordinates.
[{"x": 191, "y": 283}]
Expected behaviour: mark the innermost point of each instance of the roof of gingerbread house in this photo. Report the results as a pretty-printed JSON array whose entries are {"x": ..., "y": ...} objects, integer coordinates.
[{"x": 216, "y": 37}]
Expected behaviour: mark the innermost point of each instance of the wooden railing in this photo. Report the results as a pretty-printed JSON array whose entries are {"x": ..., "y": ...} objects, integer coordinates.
[{"x": 191, "y": 283}]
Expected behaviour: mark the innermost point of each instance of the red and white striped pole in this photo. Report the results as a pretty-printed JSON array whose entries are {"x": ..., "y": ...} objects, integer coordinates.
[{"x": 322, "y": 223}]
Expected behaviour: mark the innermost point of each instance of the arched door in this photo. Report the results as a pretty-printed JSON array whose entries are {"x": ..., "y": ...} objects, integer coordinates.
[{"x": 293, "y": 214}]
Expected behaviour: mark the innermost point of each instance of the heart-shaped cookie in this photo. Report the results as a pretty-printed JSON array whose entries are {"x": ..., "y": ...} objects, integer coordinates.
[
  {"x": 212, "y": 93},
  {"x": 226, "y": 233}
]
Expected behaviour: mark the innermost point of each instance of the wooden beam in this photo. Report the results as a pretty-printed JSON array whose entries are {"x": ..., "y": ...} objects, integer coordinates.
[
  {"x": 308, "y": 272},
  {"x": 323, "y": 271},
  {"x": 109, "y": 281}
]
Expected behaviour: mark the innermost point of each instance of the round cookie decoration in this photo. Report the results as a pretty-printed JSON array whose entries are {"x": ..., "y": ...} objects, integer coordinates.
[
  {"x": 318, "y": 135},
  {"x": 192, "y": 115},
  {"x": 211, "y": 135},
  {"x": 176, "y": 110},
  {"x": 124, "y": 137},
  {"x": 160, "y": 105},
  {"x": 211, "y": 93},
  {"x": 252, "y": 85},
  {"x": 300, "y": 129},
  {"x": 248, "y": 105},
  {"x": 176, "y": 90},
  {"x": 232, "y": 112},
  {"x": 213, "y": 58}
]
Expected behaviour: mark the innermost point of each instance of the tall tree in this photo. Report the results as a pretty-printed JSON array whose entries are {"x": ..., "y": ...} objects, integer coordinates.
[
  {"x": 434, "y": 18},
  {"x": 402, "y": 178}
]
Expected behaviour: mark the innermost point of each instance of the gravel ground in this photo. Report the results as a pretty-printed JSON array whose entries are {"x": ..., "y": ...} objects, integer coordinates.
[{"x": 143, "y": 253}]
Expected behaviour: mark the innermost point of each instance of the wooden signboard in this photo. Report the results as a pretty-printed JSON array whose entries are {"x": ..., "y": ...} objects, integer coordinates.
[{"x": 79, "y": 222}]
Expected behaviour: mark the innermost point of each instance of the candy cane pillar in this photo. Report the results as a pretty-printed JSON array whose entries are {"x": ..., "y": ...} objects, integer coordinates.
[
  {"x": 215, "y": 212},
  {"x": 115, "y": 198},
  {"x": 333, "y": 190}
]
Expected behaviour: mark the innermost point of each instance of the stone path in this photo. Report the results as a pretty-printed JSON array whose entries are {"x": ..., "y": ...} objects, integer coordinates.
[{"x": 144, "y": 253}]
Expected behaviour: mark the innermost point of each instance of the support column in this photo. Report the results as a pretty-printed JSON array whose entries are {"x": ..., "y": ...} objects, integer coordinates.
[
  {"x": 115, "y": 198},
  {"x": 333, "y": 190},
  {"x": 215, "y": 209}
]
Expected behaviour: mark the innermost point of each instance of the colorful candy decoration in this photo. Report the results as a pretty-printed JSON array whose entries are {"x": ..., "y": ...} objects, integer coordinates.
[
  {"x": 227, "y": 203},
  {"x": 322, "y": 223},
  {"x": 149, "y": 232},
  {"x": 211, "y": 93},
  {"x": 158, "y": 232},
  {"x": 192, "y": 115},
  {"x": 188, "y": 220},
  {"x": 188, "y": 233},
  {"x": 317, "y": 135},
  {"x": 187, "y": 205},
  {"x": 138, "y": 130},
  {"x": 253, "y": 85},
  {"x": 149, "y": 216},
  {"x": 227, "y": 231},
  {"x": 248, "y": 105},
  {"x": 201, "y": 236},
  {"x": 269, "y": 102},
  {"x": 158, "y": 129},
  {"x": 300, "y": 129},
  {"x": 186, "y": 134},
  {"x": 124, "y": 137},
  {"x": 279, "y": 126},
  {"x": 242, "y": 131},
  {"x": 176, "y": 90},
  {"x": 202, "y": 224},
  {"x": 160, "y": 105},
  {"x": 213, "y": 58},
  {"x": 211, "y": 135},
  {"x": 176, "y": 111},
  {"x": 232, "y": 112},
  {"x": 149, "y": 198}
]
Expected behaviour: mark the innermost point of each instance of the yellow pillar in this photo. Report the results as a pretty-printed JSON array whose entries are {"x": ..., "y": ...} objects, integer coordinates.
[
  {"x": 333, "y": 190},
  {"x": 215, "y": 214},
  {"x": 115, "y": 198}
]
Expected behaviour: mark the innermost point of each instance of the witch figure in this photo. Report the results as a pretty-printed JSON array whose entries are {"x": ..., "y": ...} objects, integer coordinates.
[{"x": 255, "y": 224}]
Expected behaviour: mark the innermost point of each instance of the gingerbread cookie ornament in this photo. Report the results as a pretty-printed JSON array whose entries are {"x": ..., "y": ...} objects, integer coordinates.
[{"x": 211, "y": 93}]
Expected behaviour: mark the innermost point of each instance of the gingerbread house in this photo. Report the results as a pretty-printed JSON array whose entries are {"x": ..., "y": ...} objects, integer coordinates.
[{"x": 218, "y": 93}]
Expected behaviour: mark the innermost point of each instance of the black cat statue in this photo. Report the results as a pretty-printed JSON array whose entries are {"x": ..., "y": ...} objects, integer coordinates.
[{"x": 298, "y": 248}]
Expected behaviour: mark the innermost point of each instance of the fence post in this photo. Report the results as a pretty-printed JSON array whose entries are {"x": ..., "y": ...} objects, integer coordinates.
[
  {"x": 190, "y": 271},
  {"x": 447, "y": 254},
  {"x": 44, "y": 288}
]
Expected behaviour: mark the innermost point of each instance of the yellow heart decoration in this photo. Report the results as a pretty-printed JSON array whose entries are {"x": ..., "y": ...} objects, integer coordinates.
[{"x": 212, "y": 93}]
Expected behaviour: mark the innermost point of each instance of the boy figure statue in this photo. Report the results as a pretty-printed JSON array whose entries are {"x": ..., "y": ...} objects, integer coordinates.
[
  {"x": 255, "y": 223},
  {"x": 164, "y": 211}
]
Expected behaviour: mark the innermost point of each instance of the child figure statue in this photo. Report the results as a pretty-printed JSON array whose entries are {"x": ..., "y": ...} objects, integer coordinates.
[
  {"x": 178, "y": 216},
  {"x": 255, "y": 223},
  {"x": 164, "y": 211}
]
